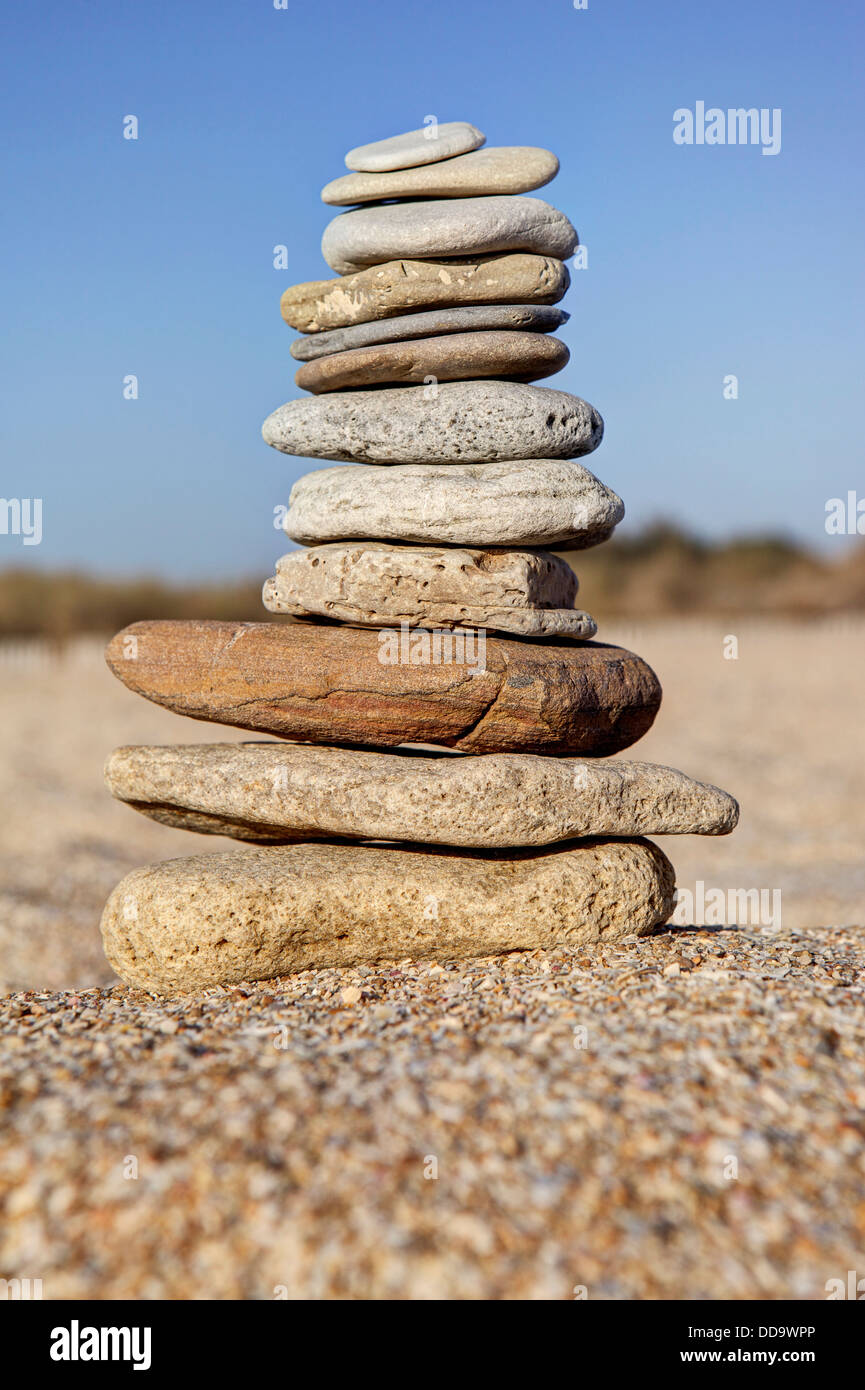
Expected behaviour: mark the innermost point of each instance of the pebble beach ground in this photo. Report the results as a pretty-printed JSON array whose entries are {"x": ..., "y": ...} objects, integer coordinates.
[{"x": 679, "y": 1117}]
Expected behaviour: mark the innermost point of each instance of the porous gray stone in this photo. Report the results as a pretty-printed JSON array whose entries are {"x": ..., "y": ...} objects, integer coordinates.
[
  {"x": 218, "y": 919},
  {"x": 536, "y": 318},
  {"x": 458, "y": 421},
  {"x": 427, "y": 230},
  {"x": 527, "y": 592},
  {"x": 536, "y": 502},
  {"x": 427, "y": 145},
  {"x": 495, "y": 169},
  {"x": 272, "y": 793}
]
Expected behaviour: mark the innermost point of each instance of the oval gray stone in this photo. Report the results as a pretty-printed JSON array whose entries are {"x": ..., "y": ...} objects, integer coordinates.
[
  {"x": 528, "y": 592},
  {"x": 463, "y": 421},
  {"x": 446, "y": 227},
  {"x": 275, "y": 793},
  {"x": 537, "y": 502},
  {"x": 217, "y": 919},
  {"x": 536, "y": 318},
  {"x": 424, "y": 146},
  {"x": 495, "y": 169}
]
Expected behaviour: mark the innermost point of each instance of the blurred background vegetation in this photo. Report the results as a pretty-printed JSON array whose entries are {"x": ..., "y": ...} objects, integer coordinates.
[{"x": 657, "y": 572}]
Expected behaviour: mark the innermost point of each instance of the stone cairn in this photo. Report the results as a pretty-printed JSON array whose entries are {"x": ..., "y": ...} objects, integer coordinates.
[{"x": 428, "y": 617}]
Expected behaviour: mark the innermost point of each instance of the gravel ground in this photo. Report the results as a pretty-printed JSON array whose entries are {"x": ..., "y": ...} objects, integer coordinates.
[
  {"x": 680, "y": 1118},
  {"x": 702, "y": 1137}
]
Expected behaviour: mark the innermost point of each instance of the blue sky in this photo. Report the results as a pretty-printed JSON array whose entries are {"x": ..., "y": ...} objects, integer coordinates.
[{"x": 155, "y": 257}]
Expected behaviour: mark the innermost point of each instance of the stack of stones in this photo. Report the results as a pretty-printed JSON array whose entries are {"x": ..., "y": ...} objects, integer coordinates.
[{"x": 426, "y": 616}]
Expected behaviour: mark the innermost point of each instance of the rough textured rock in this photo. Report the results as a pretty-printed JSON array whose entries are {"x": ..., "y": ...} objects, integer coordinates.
[
  {"x": 495, "y": 169},
  {"x": 384, "y": 291},
  {"x": 527, "y": 592},
  {"x": 451, "y": 357},
  {"x": 534, "y": 502},
  {"x": 427, "y": 145},
  {"x": 459, "y": 421},
  {"x": 217, "y": 919},
  {"x": 538, "y": 318},
  {"x": 272, "y": 793},
  {"x": 445, "y": 227},
  {"x": 347, "y": 685}
]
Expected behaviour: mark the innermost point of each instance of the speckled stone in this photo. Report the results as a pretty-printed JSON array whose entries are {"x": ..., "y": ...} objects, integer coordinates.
[
  {"x": 538, "y": 502},
  {"x": 427, "y": 145},
  {"x": 216, "y": 919},
  {"x": 449, "y": 357},
  {"x": 537, "y": 318},
  {"x": 459, "y": 421},
  {"x": 495, "y": 169},
  {"x": 385, "y": 291},
  {"x": 445, "y": 227},
  {"x": 527, "y": 592},
  {"x": 273, "y": 794}
]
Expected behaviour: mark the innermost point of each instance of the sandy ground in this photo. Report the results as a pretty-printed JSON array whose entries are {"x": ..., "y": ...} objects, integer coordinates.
[{"x": 702, "y": 1138}]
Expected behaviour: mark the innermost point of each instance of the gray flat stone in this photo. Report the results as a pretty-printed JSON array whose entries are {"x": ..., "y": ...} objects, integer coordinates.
[
  {"x": 424, "y": 146},
  {"x": 462, "y": 421},
  {"x": 384, "y": 291},
  {"x": 536, "y": 318},
  {"x": 274, "y": 793},
  {"x": 448, "y": 357},
  {"x": 495, "y": 169},
  {"x": 251, "y": 914},
  {"x": 537, "y": 502},
  {"x": 445, "y": 227},
  {"x": 528, "y": 592}
]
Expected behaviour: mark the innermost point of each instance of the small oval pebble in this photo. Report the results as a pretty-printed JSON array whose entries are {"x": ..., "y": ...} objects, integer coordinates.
[{"x": 427, "y": 145}]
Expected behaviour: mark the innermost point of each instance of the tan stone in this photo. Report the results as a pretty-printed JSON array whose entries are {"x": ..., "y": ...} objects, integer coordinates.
[
  {"x": 494, "y": 169},
  {"x": 452, "y": 357},
  {"x": 218, "y": 919},
  {"x": 530, "y": 502},
  {"x": 397, "y": 287},
  {"x": 527, "y": 592},
  {"x": 274, "y": 793},
  {"x": 324, "y": 683}
]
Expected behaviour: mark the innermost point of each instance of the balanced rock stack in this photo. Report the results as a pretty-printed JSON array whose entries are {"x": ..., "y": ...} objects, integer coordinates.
[{"x": 426, "y": 616}]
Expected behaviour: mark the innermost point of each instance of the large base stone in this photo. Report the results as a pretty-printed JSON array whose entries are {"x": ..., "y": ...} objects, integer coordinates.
[{"x": 217, "y": 919}]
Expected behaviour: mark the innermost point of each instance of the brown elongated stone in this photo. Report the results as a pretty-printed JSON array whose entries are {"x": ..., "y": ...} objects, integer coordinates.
[
  {"x": 329, "y": 684},
  {"x": 451, "y": 357}
]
